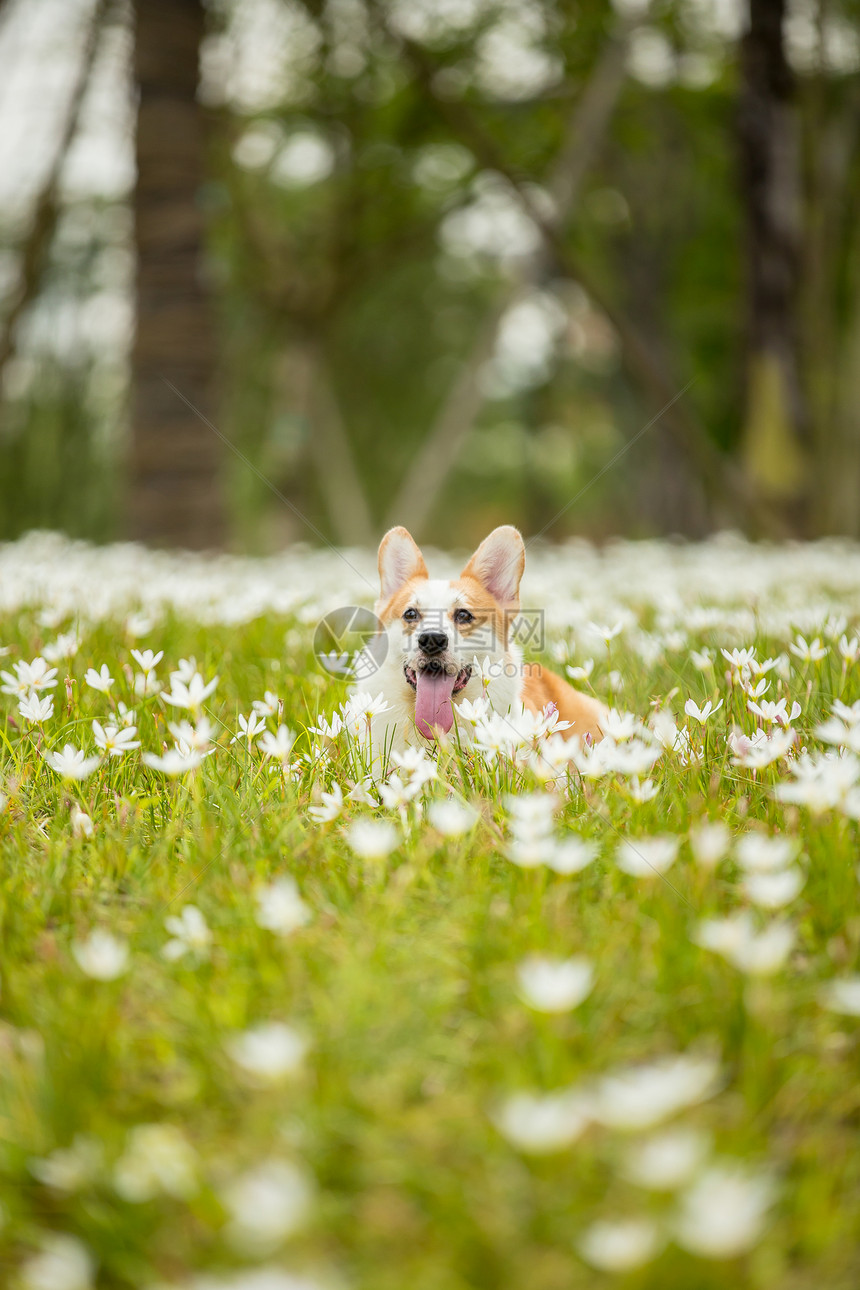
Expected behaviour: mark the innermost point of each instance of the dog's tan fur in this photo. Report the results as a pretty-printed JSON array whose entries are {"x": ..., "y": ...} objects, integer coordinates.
[{"x": 585, "y": 714}]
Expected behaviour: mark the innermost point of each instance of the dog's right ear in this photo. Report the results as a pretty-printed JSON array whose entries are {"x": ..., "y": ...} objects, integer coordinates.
[{"x": 399, "y": 560}]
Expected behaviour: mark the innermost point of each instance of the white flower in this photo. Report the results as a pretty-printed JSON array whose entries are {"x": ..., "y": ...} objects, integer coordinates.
[
  {"x": 66, "y": 645},
  {"x": 416, "y": 765},
  {"x": 372, "y": 839},
  {"x": 190, "y": 934},
  {"x": 71, "y": 1168},
  {"x": 360, "y": 791},
  {"x": 266, "y": 1205},
  {"x": 360, "y": 709},
  {"x": 332, "y": 805},
  {"x": 667, "y": 1160},
  {"x": 755, "y": 691},
  {"x": 723, "y": 1213},
  {"x": 174, "y": 761},
  {"x": 647, "y": 857},
  {"x": 765, "y": 853},
  {"x": 529, "y": 852},
  {"x": 667, "y": 734},
  {"x": 822, "y": 782},
  {"x": 50, "y": 616},
  {"x": 581, "y": 672},
  {"x": 36, "y": 710},
  {"x": 146, "y": 659},
  {"x": 116, "y": 742},
  {"x": 158, "y": 1160},
  {"x": 145, "y": 684},
  {"x": 756, "y": 953},
  {"x": 620, "y": 1245},
  {"x": 279, "y": 745},
  {"x": 760, "y": 751},
  {"x": 267, "y": 706},
  {"x": 486, "y": 672},
  {"x": 188, "y": 693},
  {"x": 767, "y": 665},
  {"x": 774, "y": 890},
  {"x": 71, "y": 763},
  {"x": 101, "y": 680},
  {"x": 139, "y": 624},
  {"x": 621, "y": 726},
  {"x": 709, "y": 843},
  {"x": 269, "y": 1053},
  {"x": 196, "y": 738},
  {"x": 849, "y": 713},
  {"x": 28, "y": 676},
  {"x": 570, "y": 855},
  {"x": 395, "y": 793},
  {"x": 633, "y": 757},
  {"x": 186, "y": 670},
  {"x": 703, "y": 659},
  {"x": 849, "y": 649},
  {"x": 249, "y": 728},
  {"x": 280, "y": 907},
  {"x": 102, "y": 956},
  {"x": 82, "y": 825},
  {"x": 554, "y": 985},
  {"x": 534, "y": 810},
  {"x": 641, "y": 1096},
  {"x": 775, "y": 713},
  {"x": 605, "y": 633},
  {"x": 644, "y": 791},
  {"x": 808, "y": 651},
  {"x": 701, "y": 714},
  {"x": 326, "y": 729},
  {"x": 540, "y": 1123},
  {"x": 64, "y": 1263},
  {"x": 550, "y": 760},
  {"x": 840, "y": 733},
  {"x": 451, "y": 818},
  {"x": 532, "y": 827},
  {"x": 842, "y": 995},
  {"x": 739, "y": 659},
  {"x": 474, "y": 711}
]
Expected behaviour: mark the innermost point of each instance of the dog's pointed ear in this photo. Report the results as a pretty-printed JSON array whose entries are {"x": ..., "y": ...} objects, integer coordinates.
[
  {"x": 498, "y": 565},
  {"x": 399, "y": 560}
]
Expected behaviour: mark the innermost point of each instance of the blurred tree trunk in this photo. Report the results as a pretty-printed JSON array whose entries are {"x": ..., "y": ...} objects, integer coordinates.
[
  {"x": 775, "y": 420},
  {"x": 174, "y": 488}
]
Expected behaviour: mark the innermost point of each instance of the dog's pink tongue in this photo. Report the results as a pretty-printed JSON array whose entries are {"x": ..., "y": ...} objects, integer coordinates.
[{"x": 433, "y": 693}]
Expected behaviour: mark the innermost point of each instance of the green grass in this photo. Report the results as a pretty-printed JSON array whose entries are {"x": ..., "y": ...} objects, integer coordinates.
[{"x": 405, "y": 983}]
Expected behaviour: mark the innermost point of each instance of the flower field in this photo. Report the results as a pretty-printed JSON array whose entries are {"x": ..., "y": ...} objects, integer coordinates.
[{"x": 536, "y": 1015}]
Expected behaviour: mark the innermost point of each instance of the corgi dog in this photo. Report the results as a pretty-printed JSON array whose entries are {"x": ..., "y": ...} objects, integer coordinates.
[{"x": 436, "y": 630}]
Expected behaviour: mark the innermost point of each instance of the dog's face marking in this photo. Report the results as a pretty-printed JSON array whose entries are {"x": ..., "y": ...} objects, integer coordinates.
[{"x": 436, "y": 628}]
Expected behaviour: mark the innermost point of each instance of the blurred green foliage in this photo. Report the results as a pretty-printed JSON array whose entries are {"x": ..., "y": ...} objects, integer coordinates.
[{"x": 341, "y": 281}]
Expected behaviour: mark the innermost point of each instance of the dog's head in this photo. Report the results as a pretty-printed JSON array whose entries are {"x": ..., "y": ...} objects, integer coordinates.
[{"x": 437, "y": 627}]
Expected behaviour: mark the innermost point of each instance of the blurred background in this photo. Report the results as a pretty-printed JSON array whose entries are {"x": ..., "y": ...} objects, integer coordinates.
[{"x": 274, "y": 270}]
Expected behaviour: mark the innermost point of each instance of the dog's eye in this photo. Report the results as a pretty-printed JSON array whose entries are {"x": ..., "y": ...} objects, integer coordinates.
[
  {"x": 411, "y": 615},
  {"x": 463, "y": 616}
]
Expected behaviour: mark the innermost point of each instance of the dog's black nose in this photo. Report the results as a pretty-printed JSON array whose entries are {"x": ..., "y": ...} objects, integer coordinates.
[{"x": 432, "y": 642}]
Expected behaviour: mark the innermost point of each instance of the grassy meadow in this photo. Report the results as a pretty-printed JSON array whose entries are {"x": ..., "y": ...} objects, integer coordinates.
[{"x": 525, "y": 1017}]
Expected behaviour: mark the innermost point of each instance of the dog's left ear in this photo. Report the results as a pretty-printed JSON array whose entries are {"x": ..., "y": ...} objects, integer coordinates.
[{"x": 498, "y": 565}]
